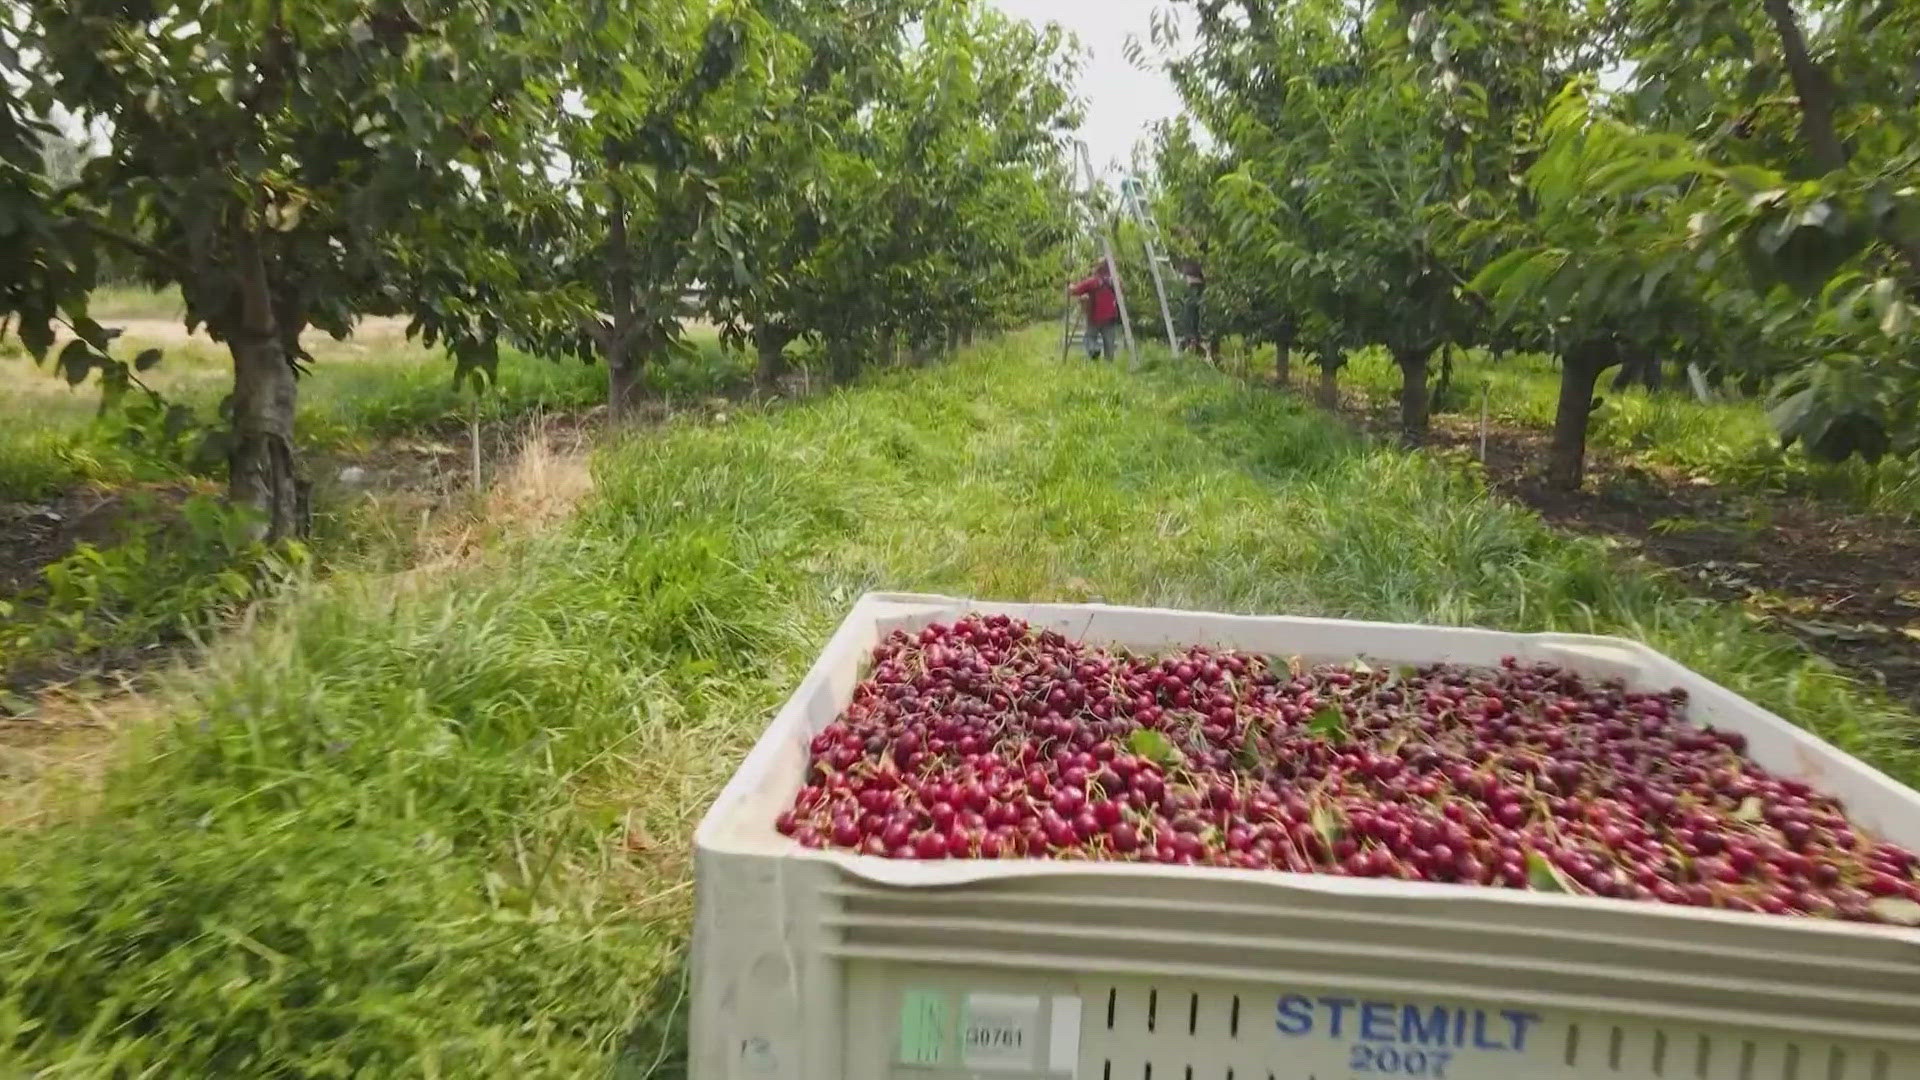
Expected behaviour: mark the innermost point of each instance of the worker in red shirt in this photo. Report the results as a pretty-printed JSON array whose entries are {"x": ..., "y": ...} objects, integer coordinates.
[{"x": 1103, "y": 309}]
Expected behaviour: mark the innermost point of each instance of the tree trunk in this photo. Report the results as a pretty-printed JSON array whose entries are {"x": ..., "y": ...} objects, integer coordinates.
[
  {"x": 623, "y": 373},
  {"x": 1330, "y": 379},
  {"x": 771, "y": 358},
  {"x": 966, "y": 336},
  {"x": 1413, "y": 394},
  {"x": 1283, "y": 358},
  {"x": 1626, "y": 376},
  {"x": 953, "y": 340},
  {"x": 1653, "y": 375},
  {"x": 624, "y": 392},
  {"x": 1580, "y": 370},
  {"x": 1643, "y": 368},
  {"x": 843, "y": 360},
  {"x": 261, "y": 466},
  {"x": 261, "y": 471}
]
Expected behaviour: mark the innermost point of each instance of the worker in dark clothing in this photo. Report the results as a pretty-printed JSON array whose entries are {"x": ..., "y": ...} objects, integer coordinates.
[{"x": 1191, "y": 339}]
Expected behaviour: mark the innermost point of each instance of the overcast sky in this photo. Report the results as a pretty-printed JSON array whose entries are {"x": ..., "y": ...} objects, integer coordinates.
[{"x": 1121, "y": 99}]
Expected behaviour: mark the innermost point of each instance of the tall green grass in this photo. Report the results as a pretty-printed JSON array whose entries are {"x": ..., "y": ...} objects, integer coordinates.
[{"x": 438, "y": 826}]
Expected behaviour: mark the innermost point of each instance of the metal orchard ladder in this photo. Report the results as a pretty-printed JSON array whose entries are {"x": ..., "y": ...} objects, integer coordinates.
[
  {"x": 1130, "y": 202},
  {"x": 1149, "y": 239}
]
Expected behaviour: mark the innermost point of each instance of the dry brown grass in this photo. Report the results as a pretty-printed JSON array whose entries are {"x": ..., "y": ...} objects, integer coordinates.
[
  {"x": 539, "y": 485},
  {"x": 546, "y": 480},
  {"x": 54, "y": 761}
]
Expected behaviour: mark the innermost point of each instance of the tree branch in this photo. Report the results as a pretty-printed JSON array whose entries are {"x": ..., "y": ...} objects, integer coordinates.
[
  {"x": 601, "y": 334},
  {"x": 1810, "y": 81},
  {"x": 138, "y": 247},
  {"x": 1818, "y": 104}
]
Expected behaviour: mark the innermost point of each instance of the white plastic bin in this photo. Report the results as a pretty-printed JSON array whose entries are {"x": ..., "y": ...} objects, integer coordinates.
[{"x": 822, "y": 965}]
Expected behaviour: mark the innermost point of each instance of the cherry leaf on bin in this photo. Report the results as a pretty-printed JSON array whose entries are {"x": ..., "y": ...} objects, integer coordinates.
[
  {"x": 1750, "y": 809},
  {"x": 1326, "y": 821},
  {"x": 1543, "y": 876},
  {"x": 1328, "y": 722},
  {"x": 1248, "y": 756},
  {"x": 1153, "y": 746}
]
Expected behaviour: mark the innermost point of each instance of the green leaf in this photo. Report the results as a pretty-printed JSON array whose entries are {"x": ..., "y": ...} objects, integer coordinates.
[
  {"x": 1153, "y": 746},
  {"x": 1651, "y": 283},
  {"x": 76, "y": 360},
  {"x": 1328, "y": 822},
  {"x": 36, "y": 333},
  {"x": 114, "y": 380},
  {"x": 1248, "y": 756},
  {"x": 1328, "y": 722},
  {"x": 1750, "y": 809},
  {"x": 1493, "y": 277},
  {"x": 1543, "y": 876},
  {"x": 1789, "y": 416},
  {"x": 146, "y": 359},
  {"x": 1896, "y": 909},
  {"x": 93, "y": 333},
  {"x": 235, "y": 584},
  {"x": 1361, "y": 668}
]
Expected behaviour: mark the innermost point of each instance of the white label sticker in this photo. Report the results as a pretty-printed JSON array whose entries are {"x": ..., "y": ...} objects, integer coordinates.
[
  {"x": 1063, "y": 1037},
  {"x": 1000, "y": 1032}
]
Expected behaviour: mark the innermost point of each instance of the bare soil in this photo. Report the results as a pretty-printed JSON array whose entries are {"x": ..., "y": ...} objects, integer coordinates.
[{"x": 1845, "y": 583}]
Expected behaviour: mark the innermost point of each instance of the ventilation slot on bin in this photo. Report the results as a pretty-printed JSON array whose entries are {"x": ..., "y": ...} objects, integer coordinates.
[
  {"x": 1167, "y": 1031},
  {"x": 1608, "y": 1050},
  {"x": 1163, "y": 1030}
]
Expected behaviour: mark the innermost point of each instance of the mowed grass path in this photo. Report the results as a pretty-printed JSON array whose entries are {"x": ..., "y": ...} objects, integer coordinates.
[{"x": 438, "y": 825}]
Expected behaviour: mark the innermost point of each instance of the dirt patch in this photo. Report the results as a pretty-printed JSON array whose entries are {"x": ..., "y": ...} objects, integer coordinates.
[
  {"x": 1845, "y": 583},
  {"x": 38, "y": 533},
  {"x": 35, "y": 536}
]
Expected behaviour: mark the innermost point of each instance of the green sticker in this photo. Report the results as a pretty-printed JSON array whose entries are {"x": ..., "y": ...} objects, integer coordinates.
[{"x": 925, "y": 1027}]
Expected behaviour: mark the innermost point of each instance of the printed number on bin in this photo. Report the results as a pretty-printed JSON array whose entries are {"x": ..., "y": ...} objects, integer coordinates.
[
  {"x": 999, "y": 1032},
  {"x": 996, "y": 1038},
  {"x": 1398, "y": 1038}
]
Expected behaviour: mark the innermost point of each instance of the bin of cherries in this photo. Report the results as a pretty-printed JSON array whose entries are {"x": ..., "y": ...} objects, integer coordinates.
[{"x": 989, "y": 739}]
